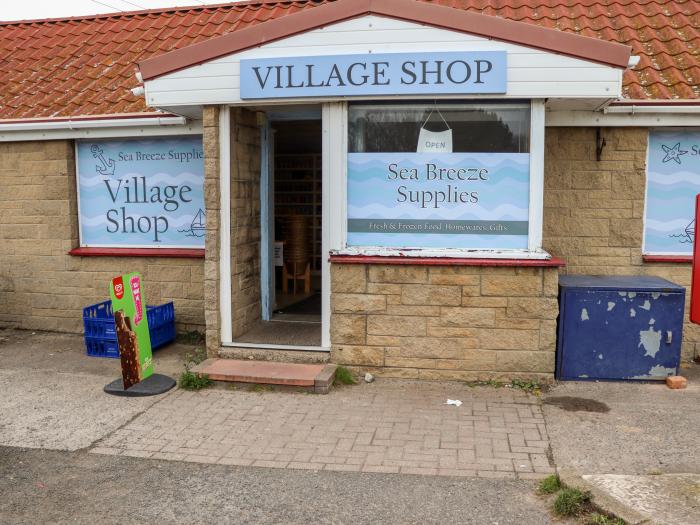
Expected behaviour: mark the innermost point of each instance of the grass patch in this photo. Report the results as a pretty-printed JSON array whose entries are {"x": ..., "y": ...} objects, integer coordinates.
[
  {"x": 343, "y": 377},
  {"x": 191, "y": 381},
  {"x": 261, "y": 388},
  {"x": 574, "y": 503},
  {"x": 601, "y": 519},
  {"x": 570, "y": 502},
  {"x": 549, "y": 485}
]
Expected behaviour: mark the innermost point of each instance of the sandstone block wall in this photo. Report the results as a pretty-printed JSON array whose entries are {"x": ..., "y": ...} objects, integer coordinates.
[
  {"x": 435, "y": 322},
  {"x": 245, "y": 220},
  {"x": 212, "y": 202},
  {"x": 594, "y": 210},
  {"x": 44, "y": 288}
]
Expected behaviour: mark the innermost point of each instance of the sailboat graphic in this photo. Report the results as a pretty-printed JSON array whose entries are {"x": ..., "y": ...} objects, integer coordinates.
[
  {"x": 198, "y": 226},
  {"x": 688, "y": 235}
]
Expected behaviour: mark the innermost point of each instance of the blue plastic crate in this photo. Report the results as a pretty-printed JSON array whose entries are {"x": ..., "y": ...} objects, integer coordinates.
[{"x": 101, "y": 334}]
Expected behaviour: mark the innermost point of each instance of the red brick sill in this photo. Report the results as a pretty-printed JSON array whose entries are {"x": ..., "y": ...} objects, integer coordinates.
[
  {"x": 681, "y": 259},
  {"x": 138, "y": 252},
  {"x": 445, "y": 261}
]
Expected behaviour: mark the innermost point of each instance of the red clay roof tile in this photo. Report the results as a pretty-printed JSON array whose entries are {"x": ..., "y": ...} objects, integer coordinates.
[{"x": 85, "y": 66}]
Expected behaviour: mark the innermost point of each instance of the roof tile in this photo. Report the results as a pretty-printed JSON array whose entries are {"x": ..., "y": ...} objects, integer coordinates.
[{"x": 85, "y": 66}]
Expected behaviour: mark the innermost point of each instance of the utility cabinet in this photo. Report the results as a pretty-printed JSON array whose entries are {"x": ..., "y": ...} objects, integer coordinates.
[{"x": 619, "y": 327}]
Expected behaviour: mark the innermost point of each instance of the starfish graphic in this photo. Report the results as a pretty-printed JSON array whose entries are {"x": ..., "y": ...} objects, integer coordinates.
[{"x": 673, "y": 153}]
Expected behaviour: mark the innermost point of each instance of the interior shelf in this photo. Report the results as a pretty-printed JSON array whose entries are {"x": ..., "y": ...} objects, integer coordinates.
[{"x": 298, "y": 192}]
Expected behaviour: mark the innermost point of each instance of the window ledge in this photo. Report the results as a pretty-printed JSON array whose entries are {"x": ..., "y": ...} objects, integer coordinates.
[
  {"x": 680, "y": 259},
  {"x": 194, "y": 253},
  {"x": 552, "y": 262}
]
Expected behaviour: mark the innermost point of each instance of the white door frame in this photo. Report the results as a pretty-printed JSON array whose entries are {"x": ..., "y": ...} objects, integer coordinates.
[
  {"x": 334, "y": 135},
  {"x": 267, "y": 221}
]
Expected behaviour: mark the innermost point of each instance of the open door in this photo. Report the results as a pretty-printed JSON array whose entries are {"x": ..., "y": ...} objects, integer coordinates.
[{"x": 267, "y": 212}]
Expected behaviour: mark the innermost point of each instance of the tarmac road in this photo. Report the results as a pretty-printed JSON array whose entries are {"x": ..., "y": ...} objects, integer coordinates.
[{"x": 40, "y": 486}]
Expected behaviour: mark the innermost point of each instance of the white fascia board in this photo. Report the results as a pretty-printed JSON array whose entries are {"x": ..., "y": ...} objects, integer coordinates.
[
  {"x": 98, "y": 128},
  {"x": 597, "y": 118}
]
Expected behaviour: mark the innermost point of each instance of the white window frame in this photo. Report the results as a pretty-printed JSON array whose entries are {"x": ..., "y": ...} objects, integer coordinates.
[
  {"x": 338, "y": 166},
  {"x": 645, "y": 251}
]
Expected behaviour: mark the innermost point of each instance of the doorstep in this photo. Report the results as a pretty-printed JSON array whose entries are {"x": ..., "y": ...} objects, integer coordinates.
[{"x": 313, "y": 377}]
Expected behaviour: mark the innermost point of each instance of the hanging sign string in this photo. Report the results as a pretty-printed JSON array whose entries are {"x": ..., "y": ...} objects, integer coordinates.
[{"x": 435, "y": 141}]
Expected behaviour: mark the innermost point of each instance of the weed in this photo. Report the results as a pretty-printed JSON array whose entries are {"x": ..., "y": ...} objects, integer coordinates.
[
  {"x": 261, "y": 388},
  {"x": 569, "y": 502},
  {"x": 192, "y": 337},
  {"x": 549, "y": 485},
  {"x": 195, "y": 357},
  {"x": 491, "y": 382},
  {"x": 531, "y": 386},
  {"x": 191, "y": 381},
  {"x": 602, "y": 519},
  {"x": 343, "y": 376}
]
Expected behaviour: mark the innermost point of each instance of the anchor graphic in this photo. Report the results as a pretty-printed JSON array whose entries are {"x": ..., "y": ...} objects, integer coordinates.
[{"x": 107, "y": 168}]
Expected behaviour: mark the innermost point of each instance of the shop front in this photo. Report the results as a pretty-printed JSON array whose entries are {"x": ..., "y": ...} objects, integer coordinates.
[
  {"x": 391, "y": 185},
  {"x": 378, "y": 177}
]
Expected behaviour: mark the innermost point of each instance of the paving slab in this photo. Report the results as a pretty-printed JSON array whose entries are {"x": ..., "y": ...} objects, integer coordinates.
[
  {"x": 667, "y": 499},
  {"x": 388, "y": 426}
]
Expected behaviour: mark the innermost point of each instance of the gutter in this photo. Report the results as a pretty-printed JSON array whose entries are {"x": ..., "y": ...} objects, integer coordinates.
[
  {"x": 686, "y": 108},
  {"x": 83, "y": 123}
]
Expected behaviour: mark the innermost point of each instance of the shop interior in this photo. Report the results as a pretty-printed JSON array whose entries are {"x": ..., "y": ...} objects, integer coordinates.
[{"x": 295, "y": 288}]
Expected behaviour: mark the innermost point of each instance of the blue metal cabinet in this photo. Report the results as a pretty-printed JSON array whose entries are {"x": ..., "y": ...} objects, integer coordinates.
[{"x": 619, "y": 327}]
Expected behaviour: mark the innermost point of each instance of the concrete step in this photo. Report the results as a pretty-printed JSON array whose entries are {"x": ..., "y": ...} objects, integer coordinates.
[
  {"x": 313, "y": 377},
  {"x": 267, "y": 354}
]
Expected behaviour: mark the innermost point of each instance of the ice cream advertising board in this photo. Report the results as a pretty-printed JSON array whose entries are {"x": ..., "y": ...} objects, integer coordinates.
[{"x": 131, "y": 321}]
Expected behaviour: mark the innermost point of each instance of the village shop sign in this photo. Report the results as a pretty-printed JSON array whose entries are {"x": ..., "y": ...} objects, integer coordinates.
[
  {"x": 481, "y": 72},
  {"x": 141, "y": 192}
]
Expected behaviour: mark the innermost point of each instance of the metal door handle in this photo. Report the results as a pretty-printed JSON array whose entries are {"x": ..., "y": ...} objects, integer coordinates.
[{"x": 669, "y": 337}]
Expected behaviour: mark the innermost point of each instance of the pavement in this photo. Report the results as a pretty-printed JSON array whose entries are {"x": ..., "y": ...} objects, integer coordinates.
[
  {"x": 387, "y": 426},
  {"x": 71, "y": 454},
  {"x": 635, "y": 445},
  {"x": 390, "y": 451}
]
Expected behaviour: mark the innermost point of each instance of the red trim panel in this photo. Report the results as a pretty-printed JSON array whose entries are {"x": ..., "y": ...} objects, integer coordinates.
[
  {"x": 138, "y": 252},
  {"x": 445, "y": 261},
  {"x": 667, "y": 258},
  {"x": 695, "y": 277}
]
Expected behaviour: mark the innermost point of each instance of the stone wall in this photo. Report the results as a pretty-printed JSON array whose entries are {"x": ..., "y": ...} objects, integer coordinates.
[
  {"x": 436, "y": 322},
  {"x": 594, "y": 210},
  {"x": 245, "y": 220},
  {"x": 212, "y": 203},
  {"x": 44, "y": 288}
]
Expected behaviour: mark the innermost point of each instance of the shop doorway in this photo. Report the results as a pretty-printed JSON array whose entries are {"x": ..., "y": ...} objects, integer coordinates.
[{"x": 290, "y": 237}]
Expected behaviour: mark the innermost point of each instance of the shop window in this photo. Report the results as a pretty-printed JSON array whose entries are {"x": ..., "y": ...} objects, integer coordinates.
[
  {"x": 673, "y": 181},
  {"x": 438, "y": 176},
  {"x": 141, "y": 193}
]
